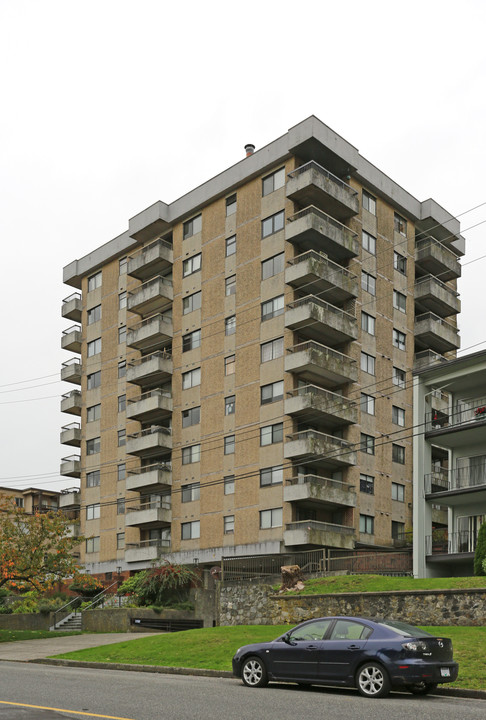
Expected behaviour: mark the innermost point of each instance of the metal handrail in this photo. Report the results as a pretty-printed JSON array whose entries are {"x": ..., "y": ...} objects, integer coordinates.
[
  {"x": 72, "y": 426},
  {"x": 74, "y": 296},
  {"x": 71, "y": 361},
  {"x": 305, "y": 434},
  {"x": 424, "y": 243},
  {"x": 160, "y": 504},
  {"x": 150, "y": 468},
  {"x": 150, "y": 246},
  {"x": 314, "y": 165},
  {"x": 147, "y": 358},
  {"x": 320, "y": 257},
  {"x": 71, "y": 394},
  {"x": 148, "y": 283},
  {"x": 339, "y": 401},
  {"x": 71, "y": 458},
  {"x": 156, "y": 392},
  {"x": 436, "y": 281},
  {"x": 313, "y": 210},
  {"x": 73, "y": 328},
  {"x": 435, "y": 318},
  {"x": 322, "y": 481},
  {"x": 316, "y": 525},
  {"x": 151, "y": 431},
  {"x": 329, "y": 352},
  {"x": 321, "y": 303}
]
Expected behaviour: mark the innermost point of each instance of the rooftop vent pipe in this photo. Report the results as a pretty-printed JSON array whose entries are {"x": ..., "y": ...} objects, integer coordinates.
[{"x": 249, "y": 149}]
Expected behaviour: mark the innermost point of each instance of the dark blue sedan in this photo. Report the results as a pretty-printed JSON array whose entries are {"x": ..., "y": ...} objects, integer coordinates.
[{"x": 374, "y": 656}]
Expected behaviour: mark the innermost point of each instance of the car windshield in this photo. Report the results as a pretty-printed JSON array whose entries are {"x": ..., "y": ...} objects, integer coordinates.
[{"x": 402, "y": 628}]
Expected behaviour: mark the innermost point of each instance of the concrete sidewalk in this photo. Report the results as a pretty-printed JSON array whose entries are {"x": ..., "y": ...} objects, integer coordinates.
[{"x": 25, "y": 650}]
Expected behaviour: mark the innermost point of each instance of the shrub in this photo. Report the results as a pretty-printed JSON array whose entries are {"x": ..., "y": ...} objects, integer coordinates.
[
  {"x": 484, "y": 566},
  {"x": 86, "y": 585},
  {"x": 162, "y": 586},
  {"x": 480, "y": 553}
]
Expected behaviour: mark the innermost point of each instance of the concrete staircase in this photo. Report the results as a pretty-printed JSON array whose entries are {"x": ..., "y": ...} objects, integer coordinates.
[{"x": 70, "y": 623}]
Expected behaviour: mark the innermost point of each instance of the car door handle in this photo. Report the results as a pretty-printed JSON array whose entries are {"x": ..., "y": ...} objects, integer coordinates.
[
  {"x": 311, "y": 647},
  {"x": 353, "y": 647}
]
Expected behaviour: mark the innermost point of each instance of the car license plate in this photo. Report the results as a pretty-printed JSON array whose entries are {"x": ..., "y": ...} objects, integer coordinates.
[{"x": 445, "y": 672}]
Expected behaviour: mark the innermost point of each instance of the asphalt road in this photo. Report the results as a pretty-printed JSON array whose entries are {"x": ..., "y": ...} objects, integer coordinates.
[{"x": 83, "y": 693}]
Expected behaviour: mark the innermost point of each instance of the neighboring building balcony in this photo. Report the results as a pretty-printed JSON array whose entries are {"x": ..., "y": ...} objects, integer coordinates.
[
  {"x": 151, "y": 260},
  {"x": 152, "y": 441},
  {"x": 431, "y": 256},
  {"x": 70, "y": 500},
  {"x": 457, "y": 487},
  {"x": 425, "y": 358},
  {"x": 149, "y": 333},
  {"x": 71, "y": 371},
  {"x": 71, "y": 466},
  {"x": 319, "y": 490},
  {"x": 151, "y": 406},
  {"x": 325, "y": 406},
  {"x": 434, "y": 333},
  {"x": 71, "y": 402},
  {"x": 312, "y": 229},
  {"x": 71, "y": 434},
  {"x": 153, "y": 296},
  {"x": 72, "y": 307},
  {"x": 315, "y": 446},
  {"x": 152, "y": 514},
  {"x": 71, "y": 339},
  {"x": 150, "y": 478},
  {"x": 321, "y": 321},
  {"x": 435, "y": 296},
  {"x": 312, "y": 533},
  {"x": 146, "y": 551},
  {"x": 317, "y": 274},
  {"x": 313, "y": 361},
  {"x": 73, "y": 529},
  {"x": 150, "y": 370},
  {"x": 467, "y": 414},
  {"x": 442, "y": 542},
  {"x": 311, "y": 184}
]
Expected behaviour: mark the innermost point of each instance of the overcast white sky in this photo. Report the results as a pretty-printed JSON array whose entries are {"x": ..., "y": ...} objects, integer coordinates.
[{"x": 110, "y": 105}]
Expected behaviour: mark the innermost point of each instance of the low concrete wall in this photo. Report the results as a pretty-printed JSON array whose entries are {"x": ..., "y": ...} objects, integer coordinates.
[
  {"x": 25, "y": 621},
  {"x": 118, "y": 619}
]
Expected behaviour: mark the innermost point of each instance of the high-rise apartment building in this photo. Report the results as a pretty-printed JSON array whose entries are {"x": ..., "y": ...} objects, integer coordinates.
[{"x": 244, "y": 356}]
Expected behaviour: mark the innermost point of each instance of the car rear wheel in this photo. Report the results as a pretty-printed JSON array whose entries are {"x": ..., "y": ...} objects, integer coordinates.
[
  {"x": 372, "y": 680},
  {"x": 422, "y": 688},
  {"x": 254, "y": 673}
]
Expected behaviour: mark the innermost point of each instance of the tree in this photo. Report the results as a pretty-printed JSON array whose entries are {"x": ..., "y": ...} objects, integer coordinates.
[
  {"x": 480, "y": 553},
  {"x": 35, "y": 550}
]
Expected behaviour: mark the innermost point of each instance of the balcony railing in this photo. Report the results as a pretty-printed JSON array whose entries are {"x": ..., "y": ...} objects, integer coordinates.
[
  {"x": 71, "y": 402},
  {"x": 153, "y": 295},
  {"x": 323, "y": 482},
  {"x": 320, "y": 447},
  {"x": 313, "y": 229},
  {"x": 312, "y": 164},
  {"x": 71, "y": 339},
  {"x": 154, "y": 330},
  {"x": 436, "y": 333},
  {"x": 462, "y": 414},
  {"x": 459, "y": 479},
  {"x": 72, "y": 307},
  {"x": 436, "y": 258},
  {"x": 319, "y": 400},
  {"x": 160, "y": 503},
  {"x": 312, "y": 359},
  {"x": 311, "y": 184},
  {"x": 317, "y": 274},
  {"x": 151, "y": 259},
  {"x": 424, "y": 358},
  {"x": 71, "y": 371},
  {"x": 434, "y": 295},
  {"x": 442, "y": 542}
]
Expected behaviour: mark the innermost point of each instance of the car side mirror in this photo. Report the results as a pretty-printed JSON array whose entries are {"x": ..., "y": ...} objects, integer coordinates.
[{"x": 288, "y": 639}]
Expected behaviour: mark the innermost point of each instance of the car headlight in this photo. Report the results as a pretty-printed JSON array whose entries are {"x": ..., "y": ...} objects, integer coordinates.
[{"x": 415, "y": 646}]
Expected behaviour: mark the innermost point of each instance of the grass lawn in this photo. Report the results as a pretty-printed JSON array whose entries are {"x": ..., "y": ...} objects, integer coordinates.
[
  {"x": 213, "y": 648},
  {"x": 383, "y": 583},
  {"x": 14, "y": 635}
]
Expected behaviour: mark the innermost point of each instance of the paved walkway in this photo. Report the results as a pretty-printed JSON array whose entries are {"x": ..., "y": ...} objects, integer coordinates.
[{"x": 25, "y": 650}]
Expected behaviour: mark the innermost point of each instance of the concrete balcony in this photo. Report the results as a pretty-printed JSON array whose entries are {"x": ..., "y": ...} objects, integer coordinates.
[
  {"x": 311, "y": 533},
  {"x": 434, "y": 333},
  {"x": 150, "y": 370},
  {"x": 424, "y": 358},
  {"x": 146, "y": 551},
  {"x": 71, "y": 434},
  {"x": 150, "y": 478},
  {"x": 70, "y": 499},
  {"x": 74, "y": 529},
  {"x": 323, "y": 406},
  {"x": 317, "y": 274},
  {"x": 317, "y": 363},
  {"x": 462, "y": 426},
  {"x": 151, "y": 333},
  {"x": 153, "y": 514},
  {"x": 71, "y": 371},
  {"x": 71, "y": 339},
  {"x": 318, "y": 320},
  {"x": 154, "y": 296},
  {"x": 463, "y": 486},
  {"x": 153, "y": 441},
  {"x": 151, "y": 406},
  {"x": 313, "y": 446},
  {"x": 442, "y": 542},
  {"x": 71, "y": 466},
  {"x": 71, "y": 402},
  {"x": 431, "y": 256},
  {"x": 151, "y": 260},
  {"x": 319, "y": 491},
  {"x": 72, "y": 307},
  {"x": 312, "y": 229},
  {"x": 433, "y": 295},
  {"x": 311, "y": 184}
]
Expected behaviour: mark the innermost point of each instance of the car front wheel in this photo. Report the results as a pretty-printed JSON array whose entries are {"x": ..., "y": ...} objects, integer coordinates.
[
  {"x": 422, "y": 688},
  {"x": 372, "y": 680},
  {"x": 254, "y": 673}
]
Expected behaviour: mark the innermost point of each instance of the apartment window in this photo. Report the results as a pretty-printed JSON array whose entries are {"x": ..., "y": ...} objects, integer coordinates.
[
  {"x": 368, "y": 283},
  {"x": 398, "y": 416},
  {"x": 120, "y": 506},
  {"x": 398, "y": 339},
  {"x": 19, "y": 502},
  {"x": 271, "y": 350},
  {"x": 122, "y": 300},
  {"x": 367, "y": 524},
  {"x": 120, "y": 541},
  {"x": 398, "y": 530},
  {"x": 191, "y": 341},
  {"x": 229, "y": 405},
  {"x": 270, "y": 518},
  {"x": 192, "y": 378},
  {"x": 121, "y": 471},
  {"x": 400, "y": 263},
  {"x": 367, "y": 363},
  {"x": 93, "y": 446},
  {"x": 92, "y": 511},
  {"x": 230, "y": 285},
  {"x": 229, "y": 485},
  {"x": 369, "y": 242},
  {"x": 271, "y": 393},
  {"x": 398, "y": 492},
  {"x": 192, "y": 227},
  {"x": 93, "y": 413},
  {"x": 398, "y": 377},
  {"x": 190, "y": 492},
  {"x": 122, "y": 368},
  {"x": 399, "y": 301},
  {"x": 230, "y": 205},
  {"x": 230, "y": 246},
  {"x": 271, "y": 476},
  {"x": 192, "y": 416},
  {"x": 369, "y": 202},
  {"x": 191, "y": 265},
  {"x": 122, "y": 403},
  {"x": 367, "y": 444},
  {"x": 367, "y": 484},
  {"x": 273, "y": 224},
  {"x": 191, "y": 454},
  {"x": 230, "y": 325},
  {"x": 229, "y": 365},
  {"x": 400, "y": 224},
  {"x": 272, "y": 266},
  {"x": 94, "y": 314},
  {"x": 271, "y": 434},
  {"x": 273, "y": 182},
  {"x": 191, "y": 302},
  {"x": 398, "y": 454},
  {"x": 93, "y": 478},
  {"x": 272, "y": 308},
  {"x": 93, "y": 545},
  {"x": 229, "y": 445},
  {"x": 122, "y": 438},
  {"x": 94, "y": 347},
  {"x": 190, "y": 530},
  {"x": 94, "y": 281},
  {"x": 122, "y": 265},
  {"x": 367, "y": 404},
  {"x": 367, "y": 323},
  {"x": 122, "y": 334},
  {"x": 229, "y": 524}
]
